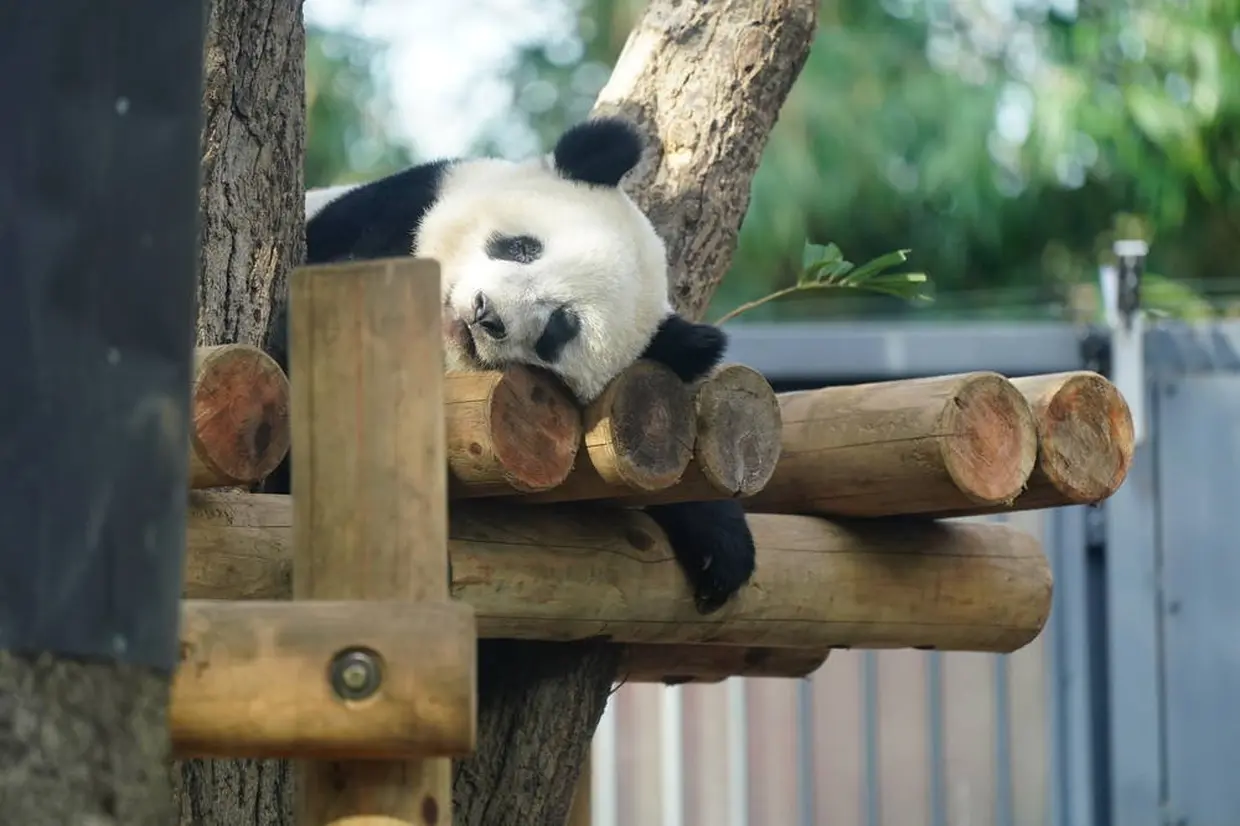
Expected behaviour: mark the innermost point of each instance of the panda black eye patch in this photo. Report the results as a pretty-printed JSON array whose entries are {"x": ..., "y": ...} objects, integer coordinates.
[
  {"x": 563, "y": 325},
  {"x": 519, "y": 249}
]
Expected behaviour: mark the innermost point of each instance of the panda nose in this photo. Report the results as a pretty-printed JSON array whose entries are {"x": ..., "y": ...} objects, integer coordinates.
[{"x": 486, "y": 317}]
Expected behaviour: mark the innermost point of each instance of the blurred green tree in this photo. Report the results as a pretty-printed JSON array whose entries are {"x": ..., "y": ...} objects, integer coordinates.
[
  {"x": 1006, "y": 144},
  {"x": 348, "y": 111}
]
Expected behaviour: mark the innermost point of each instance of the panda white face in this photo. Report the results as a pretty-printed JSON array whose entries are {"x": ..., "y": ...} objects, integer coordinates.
[{"x": 541, "y": 269}]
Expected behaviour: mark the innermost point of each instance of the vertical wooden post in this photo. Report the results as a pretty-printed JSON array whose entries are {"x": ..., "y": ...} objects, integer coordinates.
[
  {"x": 99, "y": 196},
  {"x": 369, "y": 487}
]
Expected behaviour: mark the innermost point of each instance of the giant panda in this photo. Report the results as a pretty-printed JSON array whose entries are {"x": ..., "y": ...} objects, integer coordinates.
[{"x": 543, "y": 262}]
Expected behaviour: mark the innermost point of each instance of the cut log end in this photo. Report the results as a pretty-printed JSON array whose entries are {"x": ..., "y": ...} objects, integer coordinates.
[
  {"x": 992, "y": 441},
  {"x": 240, "y": 401},
  {"x": 641, "y": 431},
  {"x": 537, "y": 429},
  {"x": 516, "y": 430},
  {"x": 1086, "y": 437},
  {"x": 739, "y": 424}
]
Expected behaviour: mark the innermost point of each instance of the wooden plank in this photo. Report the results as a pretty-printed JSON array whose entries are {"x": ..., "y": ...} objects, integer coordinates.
[
  {"x": 263, "y": 679},
  {"x": 369, "y": 486}
]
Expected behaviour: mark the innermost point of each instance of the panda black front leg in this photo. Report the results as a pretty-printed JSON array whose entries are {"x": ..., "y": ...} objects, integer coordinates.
[{"x": 713, "y": 545}]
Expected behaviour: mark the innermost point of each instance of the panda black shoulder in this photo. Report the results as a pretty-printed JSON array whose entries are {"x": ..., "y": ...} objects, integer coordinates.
[{"x": 376, "y": 219}]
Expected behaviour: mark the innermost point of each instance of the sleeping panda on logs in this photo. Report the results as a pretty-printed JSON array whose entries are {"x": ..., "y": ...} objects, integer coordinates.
[{"x": 547, "y": 263}]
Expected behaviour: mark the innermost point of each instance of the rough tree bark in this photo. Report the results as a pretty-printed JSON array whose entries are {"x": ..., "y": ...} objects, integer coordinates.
[
  {"x": 253, "y": 144},
  {"x": 705, "y": 81}
]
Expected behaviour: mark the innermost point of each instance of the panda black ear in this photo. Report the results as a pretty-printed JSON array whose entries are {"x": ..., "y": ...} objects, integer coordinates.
[
  {"x": 600, "y": 151},
  {"x": 689, "y": 350}
]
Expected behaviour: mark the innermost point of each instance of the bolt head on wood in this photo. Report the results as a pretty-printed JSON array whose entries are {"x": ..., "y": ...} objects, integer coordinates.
[{"x": 355, "y": 674}]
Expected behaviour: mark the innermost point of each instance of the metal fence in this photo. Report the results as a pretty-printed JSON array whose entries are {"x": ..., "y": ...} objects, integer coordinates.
[{"x": 1120, "y": 714}]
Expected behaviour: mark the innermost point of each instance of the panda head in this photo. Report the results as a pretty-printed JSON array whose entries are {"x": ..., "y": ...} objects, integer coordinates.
[{"x": 548, "y": 262}]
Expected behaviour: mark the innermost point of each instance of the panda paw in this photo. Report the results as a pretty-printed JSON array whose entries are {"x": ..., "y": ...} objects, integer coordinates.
[
  {"x": 721, "y": 576},
  {"x": 713, "y": 546}
]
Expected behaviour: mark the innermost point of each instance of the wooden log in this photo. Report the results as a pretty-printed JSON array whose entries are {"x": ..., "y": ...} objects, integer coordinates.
[
  {"x": 516, "y": 430},
  {"x": 677, "y": 664},
  {"x": 370, "y": 490},
  {"x": 738, "y": 439},
  {"x": 581, "y": 571},
  {"x": 639, "y": 437},
  {"x": 916, "y": 446},
  {"x": 1085, "y": 442},
  {"x": 239, "y": 403},
  {"x": 273, "y": 679},
  {"x": 240, "y": 550}
]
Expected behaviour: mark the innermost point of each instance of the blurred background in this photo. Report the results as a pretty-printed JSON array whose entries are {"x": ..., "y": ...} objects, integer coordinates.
[{"x": 1008, "y": 144}]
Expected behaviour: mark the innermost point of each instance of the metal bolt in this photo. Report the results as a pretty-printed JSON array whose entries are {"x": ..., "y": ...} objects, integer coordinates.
[{"x": 355, "y": 674}]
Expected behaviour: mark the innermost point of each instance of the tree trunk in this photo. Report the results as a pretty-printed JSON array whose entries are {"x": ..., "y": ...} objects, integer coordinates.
[
  {"x": 706, "y": 82},
  {"x": 253, "y": 146},
  {"x": 253, "y": 143}
]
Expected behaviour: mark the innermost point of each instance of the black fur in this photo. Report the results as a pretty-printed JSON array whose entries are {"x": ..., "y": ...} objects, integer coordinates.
[
  {"x": 713, "y": 545},
  {"x": 600, "y": 151},
  {"x": 562, "y": 327},
  {"x": 375, "y": 220},
  {"x": 690, "y": 350},
  {"x": 711, "y": 540},
  {"x": 519, "y": 249}
]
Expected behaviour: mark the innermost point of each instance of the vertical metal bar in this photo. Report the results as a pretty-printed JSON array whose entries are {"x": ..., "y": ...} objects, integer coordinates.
[
  {"x": 869, "y": 688},
  {"x": 937, "y": 754},
  {"x": 604, "y": 792},
  {"x": 806, "y": 801},
  {"x": 671, "y": 757},
  {"x": 1132, "y": 679},
  {"x": 738, "y": 753},
  {"x": 1003, "y": 743}
]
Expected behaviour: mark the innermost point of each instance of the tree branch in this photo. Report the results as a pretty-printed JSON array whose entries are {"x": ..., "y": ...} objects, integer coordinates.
[{"x": 705, "y": 82}]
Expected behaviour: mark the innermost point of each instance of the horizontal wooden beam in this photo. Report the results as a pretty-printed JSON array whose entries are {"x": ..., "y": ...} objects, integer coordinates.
[
  {"x": 382, "y": 679},
  {"x": 915, "y": 446},
  {"x": 587, "y": 570}
]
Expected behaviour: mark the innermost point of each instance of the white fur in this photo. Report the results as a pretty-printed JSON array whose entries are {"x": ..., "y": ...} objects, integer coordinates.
[
  {"x": 316, "y": 199},
  {"x": 601, "y": 255}
]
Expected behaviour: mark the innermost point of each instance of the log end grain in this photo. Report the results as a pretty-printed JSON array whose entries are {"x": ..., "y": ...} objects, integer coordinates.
[
  {"x": 640, "y": 432},
  {"x": 738, "y": 430},
  {"x": 1086, "y": 440},
  {"x": 535, "y": 429},
  {"x": 991, "y": 440},
  {"x": 240, "y": 403}
]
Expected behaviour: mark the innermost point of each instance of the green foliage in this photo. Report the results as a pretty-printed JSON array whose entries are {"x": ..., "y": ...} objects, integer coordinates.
[
  {"x": 348, "y": 111},
  {"x": 824, "y": 267},
  {"x": 1008, "y": 146}
]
